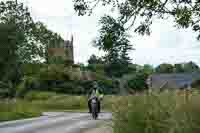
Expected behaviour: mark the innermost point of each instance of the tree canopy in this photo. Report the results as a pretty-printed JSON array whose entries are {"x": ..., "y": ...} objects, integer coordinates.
[
  {"x": 114, "y": 40},
  {"x": 141, "y": 13},
  {"x": 36, "y": 35},
  {"x": 164, "y": 68}
]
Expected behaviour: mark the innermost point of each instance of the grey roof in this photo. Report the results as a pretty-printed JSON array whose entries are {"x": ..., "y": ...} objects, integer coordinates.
[{"x": 175, "y": 80}]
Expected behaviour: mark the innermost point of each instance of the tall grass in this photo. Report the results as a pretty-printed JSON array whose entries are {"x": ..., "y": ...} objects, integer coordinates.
[{"x": 168, "y": 112}]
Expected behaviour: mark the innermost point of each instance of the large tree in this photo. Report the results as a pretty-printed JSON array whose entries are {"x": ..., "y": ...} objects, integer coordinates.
[
  {"x": 10, "y": 41},
  {"x": 114, "y": 40},
  {"x": 141, "y": 13},
  {"x": 36, "y": 35}
]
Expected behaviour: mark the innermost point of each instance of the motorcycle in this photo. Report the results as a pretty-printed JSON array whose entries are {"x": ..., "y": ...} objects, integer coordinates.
[{"x": 94, "y": 107}]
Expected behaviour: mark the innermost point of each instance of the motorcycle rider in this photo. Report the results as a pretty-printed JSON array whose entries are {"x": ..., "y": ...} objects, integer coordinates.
[{"x": 95, "y": 92}]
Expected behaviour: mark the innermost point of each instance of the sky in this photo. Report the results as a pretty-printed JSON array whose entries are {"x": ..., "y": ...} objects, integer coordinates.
[{"x": 166, "y": 44}]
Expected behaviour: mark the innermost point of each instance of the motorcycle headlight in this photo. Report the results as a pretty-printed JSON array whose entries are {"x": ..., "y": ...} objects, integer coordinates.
[{"x": 93, "y": 101}]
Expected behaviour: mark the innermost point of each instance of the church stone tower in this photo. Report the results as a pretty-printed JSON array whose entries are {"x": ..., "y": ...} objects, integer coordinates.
[{"x": 69, "y": 49}]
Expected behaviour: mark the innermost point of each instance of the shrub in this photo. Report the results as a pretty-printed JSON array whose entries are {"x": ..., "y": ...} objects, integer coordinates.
[
  {"x": 6, "y": 90},
  {"x": 26, "y": 85},
  {"x": 196, "y": 84},
  {"x": 138, "y": 82}
]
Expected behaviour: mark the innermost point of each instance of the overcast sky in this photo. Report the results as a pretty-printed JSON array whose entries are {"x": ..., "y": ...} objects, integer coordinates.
[{"x": 166, "y": 44}]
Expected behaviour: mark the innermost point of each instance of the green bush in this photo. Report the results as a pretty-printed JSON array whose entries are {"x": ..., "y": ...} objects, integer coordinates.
[
  {"x": 27, "y": 84},
  {"x": 32, "y": 69},
  {"x": 196, "y": 84},
  {"x": 138, "y": 82},
  {"x": 6, "y": 90}
]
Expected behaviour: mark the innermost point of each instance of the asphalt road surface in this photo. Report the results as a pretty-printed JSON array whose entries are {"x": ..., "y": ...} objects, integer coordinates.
[{"x": 53, "y": 122}]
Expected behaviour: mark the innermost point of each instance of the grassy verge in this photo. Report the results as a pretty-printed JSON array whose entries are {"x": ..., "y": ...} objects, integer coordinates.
[
  {"x": 35, "y": 103},
  {"x": 13, "y": 110},
  {"x": 168, "y": 112}
]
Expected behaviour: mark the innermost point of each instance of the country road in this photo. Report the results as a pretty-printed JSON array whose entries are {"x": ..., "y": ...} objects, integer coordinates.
[{"x": 55, "y": 123}]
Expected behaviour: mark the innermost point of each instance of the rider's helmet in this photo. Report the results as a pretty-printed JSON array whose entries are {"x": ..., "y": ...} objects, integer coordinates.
[{"x": 95, "y": 85}]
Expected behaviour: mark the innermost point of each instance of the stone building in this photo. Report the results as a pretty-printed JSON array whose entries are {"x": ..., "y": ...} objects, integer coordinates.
[{"x": 62, "y": 50}]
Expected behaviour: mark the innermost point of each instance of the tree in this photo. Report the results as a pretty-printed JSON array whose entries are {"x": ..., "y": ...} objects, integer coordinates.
[
  {"x": 36, "y": 35},
  {"x": 179, "y": 68},
  {"x": 113, "y": 39},
  {"x": 148, "y": 69},
  {"x": 10, "y": 71},
  {"x": 95, "y": 60},
  {"x": 138, "y": 81},
  {"x": 191, "y": 67},
  {"x": 164, "y": 68},
  {"x": 141, "y": 13},
  {"x": 10, "y": 41}
]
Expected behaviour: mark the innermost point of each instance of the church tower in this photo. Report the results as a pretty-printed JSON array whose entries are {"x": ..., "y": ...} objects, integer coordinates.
[
  {"x": 69, "y": 48},
  {"x": 64, "y": 50},
  {"x": 72, "y": 47}
]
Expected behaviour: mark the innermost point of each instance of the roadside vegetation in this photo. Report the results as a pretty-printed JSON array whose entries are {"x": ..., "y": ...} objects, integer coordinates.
[
  {"x": 35, "y": 103},
  {"x": 31, "y": 82},
  {"x": 166, "y": 112}
]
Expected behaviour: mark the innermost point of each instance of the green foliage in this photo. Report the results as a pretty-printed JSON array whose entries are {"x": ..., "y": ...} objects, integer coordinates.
[
  {"x": 31, "y": 33},
  {"x": 179, "y": 68},
  {"x": 147, "y": 69},
  {"x": 20, "y": 37},
  {"x": 32, "y": 69},
  {"x": 7, "y": 90},
  {"x": 191, "y": 67},
  {"x": 157, "y": 113},
  {"x": 137, "y": 77},
  {"x": 114, "y": 40},
  {"x": 54, "y": 72},
  {"x": 196, "y": 84},
  {"x": 164, "y": 68},
  {"x": 9, "y": 62},
  {"x": 140, "y": 14},
  {"x": 98, "y": 68},
  {"x": 138, "y": 82},
  {"x": 95, "y": 60},
  {"x": 27, "y": 84},
  {"x": 106, "y": 84}
]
